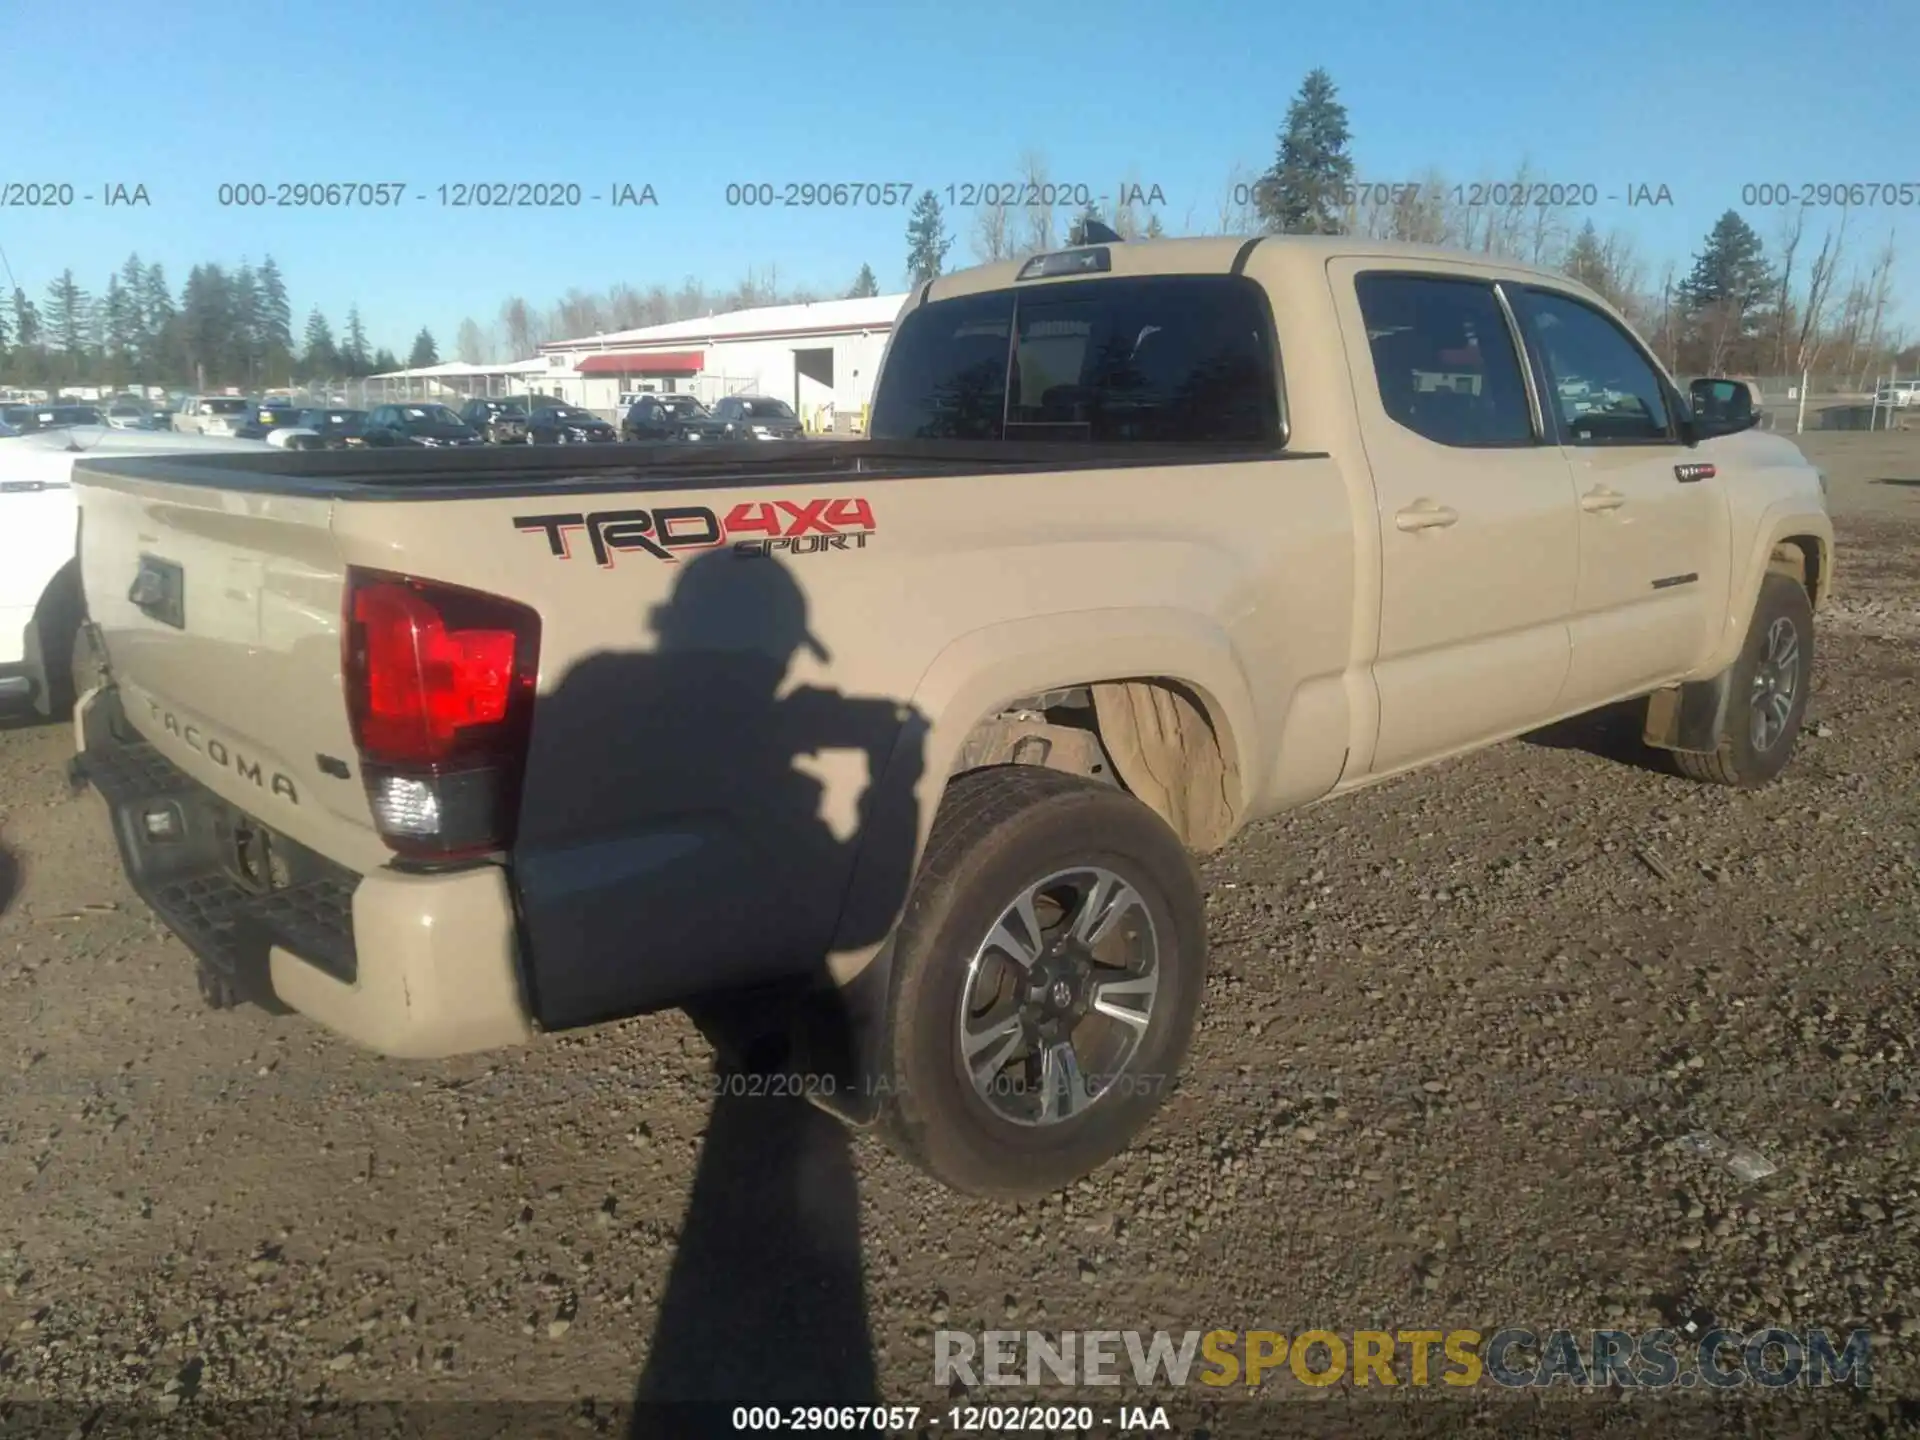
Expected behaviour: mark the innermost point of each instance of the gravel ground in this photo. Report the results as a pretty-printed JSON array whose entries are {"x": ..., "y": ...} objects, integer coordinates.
[{"x": 1456, "y": 1030}]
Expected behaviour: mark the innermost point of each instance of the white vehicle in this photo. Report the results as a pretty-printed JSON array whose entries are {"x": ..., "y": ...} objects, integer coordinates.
[
  {"x": 210, "y": 415},
  {"x": 40, "y": 600},
  {"x": 1899, "y": 395}
]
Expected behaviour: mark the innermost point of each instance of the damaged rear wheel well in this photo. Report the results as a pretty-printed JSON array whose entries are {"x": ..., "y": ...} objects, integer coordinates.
[{"x": 1156, "y": 738}]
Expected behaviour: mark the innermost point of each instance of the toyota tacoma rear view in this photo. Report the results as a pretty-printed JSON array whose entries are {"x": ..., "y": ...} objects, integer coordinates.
[{"x": 919, "y": 734}]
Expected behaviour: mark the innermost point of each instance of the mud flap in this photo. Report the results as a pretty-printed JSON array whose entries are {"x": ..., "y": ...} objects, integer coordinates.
[{"x": 1689, "y": 717}]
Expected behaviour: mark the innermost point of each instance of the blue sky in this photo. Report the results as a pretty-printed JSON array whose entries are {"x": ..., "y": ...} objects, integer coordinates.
[{"x": 1700, "y": 98}]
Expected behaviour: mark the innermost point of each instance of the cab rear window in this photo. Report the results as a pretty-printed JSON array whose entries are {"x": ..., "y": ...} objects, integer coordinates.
[{"x": 1161, "y": 359}]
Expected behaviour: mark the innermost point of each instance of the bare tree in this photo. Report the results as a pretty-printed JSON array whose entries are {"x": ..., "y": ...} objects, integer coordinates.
[
  {"x": 1038, "y": 235},
  {"x": 576, "y": 314},
  {"x": 1826, "y": 264},
  {"x": 1237, "y": 214},
  {"x": 992, "y": 237},
  {"x": 471, "y": 344},
  {"x": 526, "y": 331}
]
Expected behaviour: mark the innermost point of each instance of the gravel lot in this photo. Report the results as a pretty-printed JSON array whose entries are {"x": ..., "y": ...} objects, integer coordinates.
[{"x": 1455, "y": 1029}]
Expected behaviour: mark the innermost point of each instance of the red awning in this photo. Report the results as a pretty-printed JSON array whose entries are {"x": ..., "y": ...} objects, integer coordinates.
[{"x": 678, "y": 362}]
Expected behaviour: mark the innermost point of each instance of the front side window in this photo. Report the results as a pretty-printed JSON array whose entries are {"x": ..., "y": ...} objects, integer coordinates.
[
  {"x": 1605, "y": 389},
  {"x": 1444, "y": 359}
]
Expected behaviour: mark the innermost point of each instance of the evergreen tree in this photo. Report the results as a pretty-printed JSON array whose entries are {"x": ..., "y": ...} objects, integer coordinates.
[
  {"x": 161, "y": 323},
  {"x": 276, "y": 311},
  {"x": 67, "y": 315},
  {"x": 864, "y": 284},
  {"x": 1304, "y": 193},
  {"x": 424, "y": 352},
  {"x": 353, "y": 348},
  {"x": 1077, "y": 232},
  {"x": 383, "y": 362},
  {"x": 320, "y": 359},
  {"x": 138, "y": 339},
  {"x": 120, "y": 331},
  {"x": 26, "y": 322},
  {"x": 927, "y": 240},
  {"x": 1732, "y": 268}
]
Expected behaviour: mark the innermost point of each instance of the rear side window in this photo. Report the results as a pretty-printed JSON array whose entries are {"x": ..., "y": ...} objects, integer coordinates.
[
  {"x": 1444, "y": 359},
  {"x": 946, "y": 372},
  {"x": 1607, "y": 391},
  {"x": 1167, "y": 359}
]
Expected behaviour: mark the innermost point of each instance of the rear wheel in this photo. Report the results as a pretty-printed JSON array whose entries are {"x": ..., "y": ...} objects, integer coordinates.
[
  {"x": 1767, "y": 697},
  {"x": 1047, "y": 977}
]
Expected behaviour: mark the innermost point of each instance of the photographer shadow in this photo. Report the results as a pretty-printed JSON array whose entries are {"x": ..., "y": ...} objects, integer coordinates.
[{"x": 667, "y": 831}]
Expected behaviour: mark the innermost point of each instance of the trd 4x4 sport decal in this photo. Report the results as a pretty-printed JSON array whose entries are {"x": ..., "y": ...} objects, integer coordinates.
[{"x": 753, "y": 527}]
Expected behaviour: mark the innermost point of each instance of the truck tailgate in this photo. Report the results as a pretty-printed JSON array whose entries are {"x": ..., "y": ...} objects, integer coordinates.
[{"x": 220, "y": 611}]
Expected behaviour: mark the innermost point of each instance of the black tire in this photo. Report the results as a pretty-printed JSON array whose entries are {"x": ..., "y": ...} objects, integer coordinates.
[
  {"x": 58, "y": 644},
  {"x": 1740, "y": 760},
  {"x": 998, "y": 832}
]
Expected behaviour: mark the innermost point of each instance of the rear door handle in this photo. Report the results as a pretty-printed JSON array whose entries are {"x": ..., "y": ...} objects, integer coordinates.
[
  {"x": 1601, "y": 498},
  {"x": 1425, "y": 515}
]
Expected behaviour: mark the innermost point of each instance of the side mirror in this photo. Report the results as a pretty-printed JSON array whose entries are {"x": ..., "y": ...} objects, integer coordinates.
[{"x": 1722, "y": 407}]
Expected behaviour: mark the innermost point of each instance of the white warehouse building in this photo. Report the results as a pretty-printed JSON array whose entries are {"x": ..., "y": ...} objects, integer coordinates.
[{"x": 820, "y": 358}]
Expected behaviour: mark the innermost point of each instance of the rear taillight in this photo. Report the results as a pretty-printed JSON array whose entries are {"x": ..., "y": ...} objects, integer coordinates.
[{"x": 440, "y": 685}]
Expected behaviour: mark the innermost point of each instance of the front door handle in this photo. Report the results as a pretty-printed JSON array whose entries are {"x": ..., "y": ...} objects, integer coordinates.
[
  {"x": 1601, "y": 498},
  {"x": 1425, "y": 515}
]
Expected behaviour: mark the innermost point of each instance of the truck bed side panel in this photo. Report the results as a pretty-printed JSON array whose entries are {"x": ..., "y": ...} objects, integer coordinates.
[{"x": 710, "y": 717}]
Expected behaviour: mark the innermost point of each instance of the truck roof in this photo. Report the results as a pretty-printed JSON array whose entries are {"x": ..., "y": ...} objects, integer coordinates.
[{"x": 1222, "y": 254}]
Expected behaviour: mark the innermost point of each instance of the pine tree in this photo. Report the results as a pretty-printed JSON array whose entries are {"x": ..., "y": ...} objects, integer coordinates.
[
  {"x": 383, "y": 361},
  {"x": 27, "y": 330},
  {"x": 276, "y": 311},
  {"x": 1732, "y": 268},
  {"x": 1723, "y": 297},
  {"x": 353, "y": 349},
  {"x": 160, "y": 321},
  {"x": 424, "y": 351},
  {"x": 67, "y": 315},
  {"x": 319, "y": 359},
  {"x": 1304, "y": 193},
  {"x": 864, "y": 284},
  {"x": 927, "y": 240}
]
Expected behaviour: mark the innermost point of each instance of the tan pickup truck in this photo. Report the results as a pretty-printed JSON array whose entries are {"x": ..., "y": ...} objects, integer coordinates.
[{"x": 1148, "y": 541}]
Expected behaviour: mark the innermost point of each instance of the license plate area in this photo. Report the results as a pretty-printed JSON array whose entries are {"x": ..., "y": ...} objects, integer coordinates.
[{"x": 159, "y": 591}]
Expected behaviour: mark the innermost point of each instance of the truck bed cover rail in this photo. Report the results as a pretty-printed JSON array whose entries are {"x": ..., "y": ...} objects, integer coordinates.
[{"x": 479, "y": 472}]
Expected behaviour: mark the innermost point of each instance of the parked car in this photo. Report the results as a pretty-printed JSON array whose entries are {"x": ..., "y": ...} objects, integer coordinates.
[
  {"x": 568, "y": 425},
  {"x": 757, "y": 417},
  {"x": 424, "y": 424},
  {"x": 263, "y": 419},
  {"x": 210, "y": 415},
  {"x": 330, "y": 429},
  {"x": 57, "y": 417},
  {"x": 524, "y": 745},
  {"x": 19, "y": 418},
  {"x": 40, "y": 603},
  {"x": 502, "y": 421},
  {"x": 127, "y": 413},
  {"x": 1898, "y": 393},
  {"x": 670, "y": 417}
]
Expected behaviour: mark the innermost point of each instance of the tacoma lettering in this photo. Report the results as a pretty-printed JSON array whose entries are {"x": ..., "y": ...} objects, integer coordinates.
[{"x": 217, "y": 751}]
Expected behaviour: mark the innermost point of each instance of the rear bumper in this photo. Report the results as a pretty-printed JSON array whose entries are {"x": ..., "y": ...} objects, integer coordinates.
[{"x": 415, "y": 966}]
